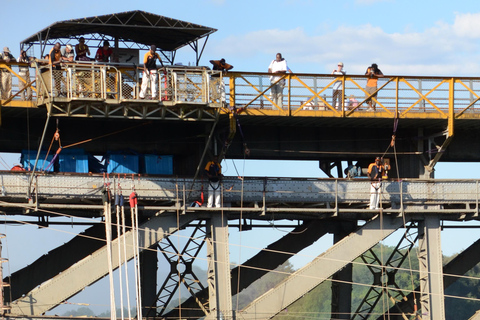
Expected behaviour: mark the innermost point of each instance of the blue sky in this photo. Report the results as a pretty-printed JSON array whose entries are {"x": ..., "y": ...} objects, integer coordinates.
[{"x": 402, "y": 36}]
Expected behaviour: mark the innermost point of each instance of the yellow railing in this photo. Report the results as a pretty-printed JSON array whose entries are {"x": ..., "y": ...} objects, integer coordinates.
[
  {"x": 312, "y": 95},
  {"x": 18, "y": 87},
  {"x": 303, "y": 94}
]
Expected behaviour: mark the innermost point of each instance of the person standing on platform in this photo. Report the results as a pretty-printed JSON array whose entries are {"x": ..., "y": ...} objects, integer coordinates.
[
  {"x": 337, "y": 96},
  {"x": 24, "y": 73},
  {"x": 104, "y": 53},
  {"x": 373, "y": 74},
  {"x": 279, "y": 67},
  {"x": 6, "y": 75},
  {"x": 82, "y": 50},
  {"x": 213, "y": 170},
  {"x": 55, "y": 59},
  {"x": 150, "y": 72},
  {"x": 376, "y": 171}
]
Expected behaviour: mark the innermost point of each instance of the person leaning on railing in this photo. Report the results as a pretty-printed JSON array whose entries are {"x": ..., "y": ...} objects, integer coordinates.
[
  {"x": 6, "y": 75},
  {"x": 24, "y": 73}
]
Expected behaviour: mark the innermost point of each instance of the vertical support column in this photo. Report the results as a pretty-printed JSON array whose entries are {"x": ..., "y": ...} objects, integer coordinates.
[
  {"x": 342, "y": 280},
  {"x": 431, "y": 269},
  {"x": 148, "y": 278},
  {"x": 219, "y": 286}
]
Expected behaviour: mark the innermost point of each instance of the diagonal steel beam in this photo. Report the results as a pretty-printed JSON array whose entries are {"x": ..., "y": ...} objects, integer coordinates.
[
  {"x": 270, "y": 258},
  {"x": 320, "y": 269},
  {"x": 94, "y": 267}
]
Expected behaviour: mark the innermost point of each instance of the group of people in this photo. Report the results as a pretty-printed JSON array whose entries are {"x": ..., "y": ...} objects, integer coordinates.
[
  {"x": 279, "y": 67},
  {"x": 377, "y": 171},
  {"x": 23, "y": 71}
]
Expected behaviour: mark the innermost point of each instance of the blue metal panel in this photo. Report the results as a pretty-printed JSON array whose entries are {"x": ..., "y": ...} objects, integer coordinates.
[
  {"x": 155, "y": 164},
  {"x": 73, "y": 160},
  {"x": 122, "y": 163},
  {"x": 28, "y": 157}
]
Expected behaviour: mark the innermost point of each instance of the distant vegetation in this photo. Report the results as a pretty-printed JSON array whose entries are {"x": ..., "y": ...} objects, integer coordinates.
[{"x": 317, "y": 303}]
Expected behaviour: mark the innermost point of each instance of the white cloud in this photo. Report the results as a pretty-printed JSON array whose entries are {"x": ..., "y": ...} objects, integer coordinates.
[
  {"x": 441, "y": 49},
  {"x": 467, "y": 25}
]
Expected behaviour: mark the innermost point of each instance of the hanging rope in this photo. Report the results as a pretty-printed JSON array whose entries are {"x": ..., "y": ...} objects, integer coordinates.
[
  {"x": 134, "y": 216},
  {"x": 127, "y": 286},
  {"x": 108, "y": 235},
  {"x": 118, "y": 199}
]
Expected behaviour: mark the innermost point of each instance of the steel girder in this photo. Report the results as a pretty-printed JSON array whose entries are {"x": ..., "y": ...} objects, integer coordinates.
[
  {"x": 384, "y": 273},
  {"x": 92, "y": 268},
  {"x": 175, "y": 277},
  {"x": 321, "y": 268},
  {"x": 274, "y": 255},
  {"x": 463, "y": 262},
  {"x": 431, "y": 271}
]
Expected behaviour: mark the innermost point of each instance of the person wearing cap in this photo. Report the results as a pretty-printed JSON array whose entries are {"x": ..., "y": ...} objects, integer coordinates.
[
  {"x": 217, "y": 82},
  {"x": 104, "y": 53},
  {"x": 6, "y": 76},
  {"x": 24, "y": 73},
  {"x": 67, "y": 53},
  {"x": 337, "y": 95},
  {"x": 373, "y": 74},
  {"x": 82, "y": 50},
  {"x": 376, "y": 171},
  {"x": 279, "y": 67},
  {"x": 150, "y": 72}
]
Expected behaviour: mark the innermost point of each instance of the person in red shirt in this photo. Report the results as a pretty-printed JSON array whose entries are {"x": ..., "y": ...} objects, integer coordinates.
[{"x": 104, "y": 53}]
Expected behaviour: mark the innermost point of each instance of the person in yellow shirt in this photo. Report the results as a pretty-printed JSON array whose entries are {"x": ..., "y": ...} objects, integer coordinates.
[
  {"x": 150, "y": 72},
  {"x": 373, "y": 74},
  {"x": 376, "y": 172}
]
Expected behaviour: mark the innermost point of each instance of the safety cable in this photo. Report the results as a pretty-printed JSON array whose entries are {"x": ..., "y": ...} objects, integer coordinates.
[{"x": 281, "y": 272}]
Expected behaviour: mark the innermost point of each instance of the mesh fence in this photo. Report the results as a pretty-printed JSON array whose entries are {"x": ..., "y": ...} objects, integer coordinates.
[{"x": 190, "y": 86}]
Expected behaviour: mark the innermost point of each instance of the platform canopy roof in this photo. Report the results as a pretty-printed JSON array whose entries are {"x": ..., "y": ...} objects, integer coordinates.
[{"x": 134, "y": 27}]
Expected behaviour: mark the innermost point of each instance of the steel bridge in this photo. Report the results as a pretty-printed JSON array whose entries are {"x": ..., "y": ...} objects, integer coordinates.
[{"x": 193, "y": 102}]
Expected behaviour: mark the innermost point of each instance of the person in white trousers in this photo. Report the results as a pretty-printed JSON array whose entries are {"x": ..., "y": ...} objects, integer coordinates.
[
  {"x": 150, "y": 72},
  {"x": 376, "y": 171},
  {"x": 213, "y": 170}
]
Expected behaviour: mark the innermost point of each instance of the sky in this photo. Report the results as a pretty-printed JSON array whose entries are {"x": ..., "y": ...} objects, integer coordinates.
[{"x": 404, "y": 37}]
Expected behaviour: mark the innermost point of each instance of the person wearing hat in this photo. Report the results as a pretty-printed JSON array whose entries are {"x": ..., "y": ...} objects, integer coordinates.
[
  {"x": 373, "y": 74},
  {"x": 337, "y": 96},
  {"x": 104, "y": 53},
  {"x": 6, "y": 76},
  {"x": 24, "y": 73},
  {"x": 67, "y": 53},
  {"x": 376, "y": 171},
  {"x": 150, "y": 72}
]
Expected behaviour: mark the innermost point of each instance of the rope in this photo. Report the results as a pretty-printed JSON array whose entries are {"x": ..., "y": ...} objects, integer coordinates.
[
  {"x": 108, "y": 234},
  {"x": 119, "y": 195},
  {"x": 127, "y": 286}
]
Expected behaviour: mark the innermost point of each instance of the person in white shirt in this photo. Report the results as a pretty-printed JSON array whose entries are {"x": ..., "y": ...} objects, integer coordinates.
[
  {"x": 337, "y": 95},
  {"x": 278, "y": 66}
]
